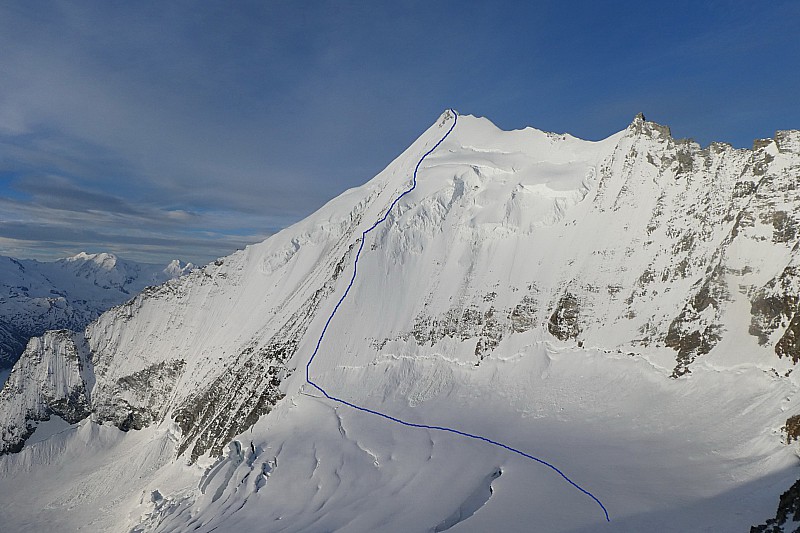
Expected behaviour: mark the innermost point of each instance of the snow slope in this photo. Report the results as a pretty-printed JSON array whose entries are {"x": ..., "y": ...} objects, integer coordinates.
[
  {"x": 624, "y": 309},
  {"x": 67, "y": 294}
]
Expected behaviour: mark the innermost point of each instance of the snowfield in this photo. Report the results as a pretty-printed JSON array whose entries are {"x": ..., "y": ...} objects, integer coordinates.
[{"x": 622, "y": 309}]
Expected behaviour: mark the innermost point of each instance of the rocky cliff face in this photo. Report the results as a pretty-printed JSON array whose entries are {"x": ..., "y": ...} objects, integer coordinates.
[
  {"x": 639, "y": 246},
  {"x": 59, "y": 364},
  {"x": 787, "y": 517}
]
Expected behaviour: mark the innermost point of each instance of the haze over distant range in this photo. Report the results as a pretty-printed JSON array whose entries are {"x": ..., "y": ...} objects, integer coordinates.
[{"x": 160, "y": 130}]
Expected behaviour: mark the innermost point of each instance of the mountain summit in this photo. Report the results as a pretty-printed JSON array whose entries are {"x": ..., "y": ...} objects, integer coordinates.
[{"x": 623, "y": 309}]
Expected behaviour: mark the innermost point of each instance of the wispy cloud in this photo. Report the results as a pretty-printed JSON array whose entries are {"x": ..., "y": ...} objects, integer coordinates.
[{"x": 212, "y": 123}]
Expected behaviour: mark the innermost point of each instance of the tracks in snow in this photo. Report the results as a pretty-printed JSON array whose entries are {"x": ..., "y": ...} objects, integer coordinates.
[{"x": 389, "y": 417}]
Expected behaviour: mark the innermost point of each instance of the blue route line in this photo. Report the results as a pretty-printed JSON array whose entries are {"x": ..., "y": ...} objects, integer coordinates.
[{"x": 397, "y": 420}]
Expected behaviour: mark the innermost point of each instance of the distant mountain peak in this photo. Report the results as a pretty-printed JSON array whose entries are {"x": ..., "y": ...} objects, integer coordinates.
[
  {"x": 177, "y": 268},
  {"x": 100, "y": 257},
  {"x": 68, "y": 293}
]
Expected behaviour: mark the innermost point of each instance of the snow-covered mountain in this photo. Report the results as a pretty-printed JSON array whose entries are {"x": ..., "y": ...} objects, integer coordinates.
[
  {"x": 624, "y": 310},
  {"x": 67, "y": 294}
]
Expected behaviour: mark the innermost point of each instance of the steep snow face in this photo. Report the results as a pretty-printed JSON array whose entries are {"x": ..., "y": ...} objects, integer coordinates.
[
  {"x": 625, "y": 309},
  {"x": 67, "y": 294},
  {"x": 636, "y": 242}
]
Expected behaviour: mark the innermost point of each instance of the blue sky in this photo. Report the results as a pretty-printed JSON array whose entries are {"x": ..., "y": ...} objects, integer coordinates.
[{"x": 189, "y": 129}]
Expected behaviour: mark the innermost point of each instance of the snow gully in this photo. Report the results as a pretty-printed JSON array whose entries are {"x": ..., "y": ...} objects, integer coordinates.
[{"x": 397, "y": 420}]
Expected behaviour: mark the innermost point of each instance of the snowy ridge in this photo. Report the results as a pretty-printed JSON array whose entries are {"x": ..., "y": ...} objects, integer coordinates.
[
  {"x": 67, "y": 294},
  {"x": 626, "y": 308}
]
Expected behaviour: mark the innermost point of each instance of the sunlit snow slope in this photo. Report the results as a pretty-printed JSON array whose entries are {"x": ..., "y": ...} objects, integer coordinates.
[{"x": 624, "y": 309}]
